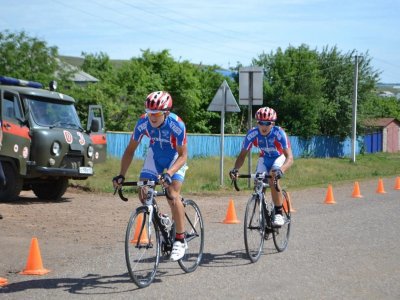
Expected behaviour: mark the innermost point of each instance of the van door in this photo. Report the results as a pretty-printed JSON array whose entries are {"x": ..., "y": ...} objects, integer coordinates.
[
  {"x": 97, "y": 132},
  {"x": 16, "y": 139}
]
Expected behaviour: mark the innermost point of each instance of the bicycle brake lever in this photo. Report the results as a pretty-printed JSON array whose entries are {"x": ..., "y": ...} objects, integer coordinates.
[{"x": 121, "y": 195}]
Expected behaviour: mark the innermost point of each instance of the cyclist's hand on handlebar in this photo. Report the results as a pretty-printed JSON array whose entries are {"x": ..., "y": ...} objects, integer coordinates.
[
  {"x": 117, "y": 181},
  {"x": 166, "y": 179},
  {"x": 277, "y": 173},
  {"x": 233, "y": 173}
]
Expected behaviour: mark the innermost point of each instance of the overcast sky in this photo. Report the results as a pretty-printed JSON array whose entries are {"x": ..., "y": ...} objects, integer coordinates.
[{"x": 212, "y": 31}]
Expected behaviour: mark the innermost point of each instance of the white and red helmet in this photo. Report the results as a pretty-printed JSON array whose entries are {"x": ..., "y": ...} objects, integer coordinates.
[
  {"x": 266, "y": 114},
  {"x": 161, "y": 101}
]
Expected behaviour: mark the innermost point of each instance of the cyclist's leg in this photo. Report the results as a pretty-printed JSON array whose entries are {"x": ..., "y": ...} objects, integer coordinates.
[
  {"x": 148, "y": 172},
  {"x": 271, "y": 164},
  {"x": 178, "y": 213}
]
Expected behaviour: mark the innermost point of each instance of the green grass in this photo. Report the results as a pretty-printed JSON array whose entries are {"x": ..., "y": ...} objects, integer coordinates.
[{"x": 203, "y": 175}]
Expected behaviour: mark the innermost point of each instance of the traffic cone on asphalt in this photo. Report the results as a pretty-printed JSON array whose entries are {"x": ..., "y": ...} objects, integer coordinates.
[
  {"x": 380, "y": 189},
  {"x": 397, "y": 185},
  {"x": 34, "y": 265},
  {"x": 285, "y": 205},
  {"x": 3, "y": 281},
  {"x": 144, "y": 239},
  {"x": 231, "y": 217},
  {"x": 356, "y": 191},
  {"x": 329, "y": 199}
]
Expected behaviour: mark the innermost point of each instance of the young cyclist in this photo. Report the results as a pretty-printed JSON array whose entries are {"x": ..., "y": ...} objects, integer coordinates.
[
  {"x": 166, "y": 158},
  {"x": 275, "y": 153}
]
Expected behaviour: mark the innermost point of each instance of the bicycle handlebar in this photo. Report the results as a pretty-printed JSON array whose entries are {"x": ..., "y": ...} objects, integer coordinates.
[
  {"x": 150, "y": 183},
  {"x": 260, "y": 176}
]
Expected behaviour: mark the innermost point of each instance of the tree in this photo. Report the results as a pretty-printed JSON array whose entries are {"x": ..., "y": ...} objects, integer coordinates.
[
  {"x": 292, "y": 86},
  {"x": 28, "y": 58}
]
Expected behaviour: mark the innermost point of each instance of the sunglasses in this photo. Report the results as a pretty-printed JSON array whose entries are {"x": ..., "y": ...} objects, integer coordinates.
[
  {"x": 265, "y": 123},
  {"x": 156, "y": 113}
]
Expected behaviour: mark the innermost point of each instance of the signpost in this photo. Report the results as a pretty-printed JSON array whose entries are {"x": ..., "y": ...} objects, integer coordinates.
[
  {"x": 223, "y": 101},
  {"x": 251, "y": 93}
]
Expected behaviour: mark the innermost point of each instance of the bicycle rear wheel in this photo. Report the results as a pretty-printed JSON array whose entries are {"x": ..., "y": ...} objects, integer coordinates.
[
  {"x": 281, "y": 234},
  {"x": 254, "y": 228},
  {"x": 194, "y": 236},
  {"x": 142, "y": 248}
]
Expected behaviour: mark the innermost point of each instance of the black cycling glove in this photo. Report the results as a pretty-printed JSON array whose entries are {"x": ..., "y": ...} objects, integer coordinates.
[
  {"x": 166, "y": 178},
  {"x": 119, "y": 179}
]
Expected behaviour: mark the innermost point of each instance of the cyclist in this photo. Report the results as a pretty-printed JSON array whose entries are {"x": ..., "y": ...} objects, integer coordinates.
[
  {"x": 275, "y": 153},
  {"x": 166, "y": 158}
]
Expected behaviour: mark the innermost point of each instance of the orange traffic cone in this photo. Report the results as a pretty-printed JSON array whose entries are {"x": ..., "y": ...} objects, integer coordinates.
[
  {"x": 380, "y": 189},
  {"x": 356, "y": 191},
  {"x": 285, "y": 205},
  {"x": 144, "y": 239},
  {"x": 397, "y": 185},
  {"x": 329, "y": 199},
  {"x": 3, "y": 281},
  {"x": 34, "y": 265},
  {"x": 231, "y": 217}
]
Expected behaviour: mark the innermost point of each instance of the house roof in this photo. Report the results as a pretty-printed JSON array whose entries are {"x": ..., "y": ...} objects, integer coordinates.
[
  {"x": 78, "y": 76},
  {"x": 380, "y": 122}
]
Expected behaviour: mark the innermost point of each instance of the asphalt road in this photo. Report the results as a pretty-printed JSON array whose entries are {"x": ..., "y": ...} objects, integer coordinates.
[{"x": 347, "y": 250}]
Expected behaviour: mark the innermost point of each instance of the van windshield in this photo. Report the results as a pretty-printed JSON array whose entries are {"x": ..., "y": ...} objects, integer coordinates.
[{"x": 50, "y": 114}]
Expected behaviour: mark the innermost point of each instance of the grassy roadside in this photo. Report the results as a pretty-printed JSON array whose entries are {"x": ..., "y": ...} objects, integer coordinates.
[{"x": 203, "y": 175}]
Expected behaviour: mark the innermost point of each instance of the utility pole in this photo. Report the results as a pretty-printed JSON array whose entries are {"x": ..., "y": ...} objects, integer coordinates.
[{"x": 354, "y": 112}]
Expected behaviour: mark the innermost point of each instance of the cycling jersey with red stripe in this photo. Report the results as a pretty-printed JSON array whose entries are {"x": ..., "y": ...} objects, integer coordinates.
[
  {"x": 271, "y": 145},
  {"x": 164, "y": 139}
]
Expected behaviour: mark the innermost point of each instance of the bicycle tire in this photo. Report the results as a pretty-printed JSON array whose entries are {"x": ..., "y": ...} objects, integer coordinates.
[
  {"x": 142, "y": 248},
  {"x": 281, "y": 234},
  {"x": 194, "y": 236},
  {"x": 254, "y": 228}
]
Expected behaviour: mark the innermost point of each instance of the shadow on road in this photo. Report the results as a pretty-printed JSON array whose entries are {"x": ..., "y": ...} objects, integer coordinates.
[{"x": 91, "y": 284}]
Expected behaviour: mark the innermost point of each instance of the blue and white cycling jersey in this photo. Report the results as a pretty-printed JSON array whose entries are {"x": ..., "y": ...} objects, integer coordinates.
[
  {"x": 271, "y": 145},
  {"x": 164, "y": 140}
]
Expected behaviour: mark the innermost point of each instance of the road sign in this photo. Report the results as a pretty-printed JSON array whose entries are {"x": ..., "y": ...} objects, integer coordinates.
[
  {"x": 251, "y": 85},
  {"x": 224, "y": 100}
]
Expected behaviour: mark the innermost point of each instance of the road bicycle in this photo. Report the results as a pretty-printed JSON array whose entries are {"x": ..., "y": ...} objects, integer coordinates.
[
  {"x": 150, "y": 233},
  {"x": 259, "y": 215}
]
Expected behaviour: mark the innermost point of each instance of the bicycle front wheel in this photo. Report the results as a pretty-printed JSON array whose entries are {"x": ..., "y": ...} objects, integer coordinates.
[
  {"x": 254, "y": 228},
  {"x": 194, "y": 236},
  {"x": 142, "y": 248},
  {"x": 281, "y": 234}
]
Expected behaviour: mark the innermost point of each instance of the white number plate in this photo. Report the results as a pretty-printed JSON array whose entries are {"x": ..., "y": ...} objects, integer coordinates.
[{"x": 85, "y": 170}]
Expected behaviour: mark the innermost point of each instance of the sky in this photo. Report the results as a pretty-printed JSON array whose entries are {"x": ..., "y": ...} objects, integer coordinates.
[{"x": 211, "y": 32}]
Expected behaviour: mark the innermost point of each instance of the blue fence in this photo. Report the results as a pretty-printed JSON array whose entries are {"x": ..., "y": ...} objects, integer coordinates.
[
  {"x": 373, "y": 142},
  {"x": 205, "y": 145}
]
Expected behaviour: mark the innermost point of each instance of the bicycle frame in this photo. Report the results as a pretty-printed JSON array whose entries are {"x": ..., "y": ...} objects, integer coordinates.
[
  {"x": 259, "y": 215},
  {"x": 153, "y": 212}
]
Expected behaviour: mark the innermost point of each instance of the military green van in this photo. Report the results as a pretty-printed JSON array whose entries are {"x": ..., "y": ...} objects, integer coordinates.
[{"x": 44, "y": 144}]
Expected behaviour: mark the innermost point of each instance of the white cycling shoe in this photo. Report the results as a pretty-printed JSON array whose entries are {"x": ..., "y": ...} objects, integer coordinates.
[
  {"x": 278, "y": 220},
  {"x": 178, "y": 250}
]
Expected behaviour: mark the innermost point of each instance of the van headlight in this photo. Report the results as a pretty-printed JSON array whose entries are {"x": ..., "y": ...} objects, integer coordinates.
[
  {"x": 55, "y": 148},
  {"x": 90, "y": 151}
]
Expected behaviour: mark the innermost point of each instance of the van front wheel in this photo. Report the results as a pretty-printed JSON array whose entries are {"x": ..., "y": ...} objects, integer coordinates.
[
  {"x": 13, "y": 183},
  {"x": 51, "y": 190}
]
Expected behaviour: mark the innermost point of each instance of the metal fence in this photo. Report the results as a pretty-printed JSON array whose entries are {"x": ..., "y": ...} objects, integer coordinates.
[{"x": 206, "y": 145}]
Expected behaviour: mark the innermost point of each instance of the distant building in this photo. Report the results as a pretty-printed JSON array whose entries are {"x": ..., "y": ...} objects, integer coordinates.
[
  {"x": 385, "y": 132},
  {"x": 78, "y": 76}
]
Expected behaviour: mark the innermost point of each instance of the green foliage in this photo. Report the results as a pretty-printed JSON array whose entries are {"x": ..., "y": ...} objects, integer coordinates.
[
  {"x": 28, "y": 58},
  {"x": 312, "y": 91}
]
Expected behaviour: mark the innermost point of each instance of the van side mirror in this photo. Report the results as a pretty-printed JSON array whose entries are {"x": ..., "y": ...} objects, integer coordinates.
[{"x": 95, "y": 125}]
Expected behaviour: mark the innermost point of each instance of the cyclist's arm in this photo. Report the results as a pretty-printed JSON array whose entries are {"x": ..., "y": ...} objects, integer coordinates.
[
  {"x": 240, "y": 159},
  {"x": 128, "y": 156},
  {"x": 180, "y": 161},
  {"x": 289, "y": 159}
]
